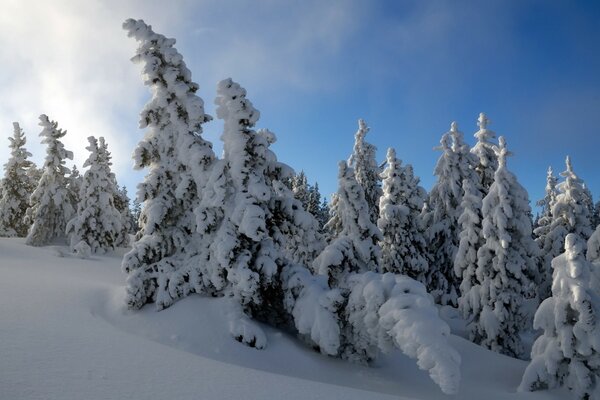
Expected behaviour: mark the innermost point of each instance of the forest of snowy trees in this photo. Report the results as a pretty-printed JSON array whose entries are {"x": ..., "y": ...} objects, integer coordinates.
[{"x": 352, "y": 278}]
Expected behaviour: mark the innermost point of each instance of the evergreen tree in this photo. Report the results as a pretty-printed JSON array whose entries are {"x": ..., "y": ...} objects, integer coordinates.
[
  {"x": 483, "y": 149},
  {"x": 355, "y": 249},
  {"x": 316, "y": 206},
  {"x": 163, "y": 264},
  {"x": 588, "y": 202},
  {"x": 122, "y": 200},
  {"x": 506, "y": 263},
  {"x": 300, "y": 188},
  {"x": 403, "y": 248},
  {"x": 333, "y": 227},
  {"x": 74, "y": 183},
  {"x": 259, "y": 227},
  {"x": 471, "y": 240},
  {"x": 98, "y": 222},
  {"x": 366, "y": 170},
  {"x": 541, "y": 233},
  {"x": 570, "y": 214},
  {"x": 16, "y": 186},
  {"x": 50, "y": 205},
  {"x": 443, "y": 210},
  {"x": 136, "y": 212},
  {"x": 568, "y": 352},
  {"x": 593, "y": 256}
]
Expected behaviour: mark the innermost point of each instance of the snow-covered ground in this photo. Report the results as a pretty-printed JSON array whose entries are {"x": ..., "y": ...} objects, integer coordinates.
[{"x": 64, "y": 334}]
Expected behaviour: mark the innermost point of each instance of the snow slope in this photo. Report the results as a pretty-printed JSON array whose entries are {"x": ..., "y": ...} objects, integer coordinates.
[{"x": 64, "y": 334}]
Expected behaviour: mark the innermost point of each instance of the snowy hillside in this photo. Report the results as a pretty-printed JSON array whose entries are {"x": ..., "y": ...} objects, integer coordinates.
[{"x": 65, "y": 334}]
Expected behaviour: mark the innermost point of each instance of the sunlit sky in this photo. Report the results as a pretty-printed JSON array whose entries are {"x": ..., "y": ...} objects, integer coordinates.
[{"x": 313, "y": 67}]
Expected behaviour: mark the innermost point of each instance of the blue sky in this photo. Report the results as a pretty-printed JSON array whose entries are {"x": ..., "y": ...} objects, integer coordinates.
[{"x": 312, "y": 68}]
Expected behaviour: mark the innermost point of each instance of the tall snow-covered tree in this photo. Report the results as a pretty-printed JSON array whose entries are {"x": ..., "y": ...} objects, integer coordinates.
[
  {"x": 404, "y": 247},
  {"x": 471, "y": 240},
  {"x": 593, "y": 256},
  {"x": 97, "y": 222},
  {"x": 17, "y": 187},
  {"x": 317, "y": 207},
  {"x": 300, "y": 188},
  {"x": 443, "y": 210},
  {"x": 258, "y": 226},
  {"x": 122, "y": 200},
  {"x": 366, "y": 169},
  {"x": 541, "y": 231},
  {"x": 136, "y": 212},
  {"x": 568, "y": 351},
  {"x": 163, "y": 264},
  {"x": 356, "y": 247},
  {"x": 483, "y": 149},
  {"x": 74, "y": 182},
  {"x": 50, "y": 203},
  {"x": 570, "y": 214},
  {"x": 506, "y": 264}
]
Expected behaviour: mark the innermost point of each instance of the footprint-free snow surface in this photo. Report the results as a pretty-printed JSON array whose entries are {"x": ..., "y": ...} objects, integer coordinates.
[{"x": 65, "y": 334}]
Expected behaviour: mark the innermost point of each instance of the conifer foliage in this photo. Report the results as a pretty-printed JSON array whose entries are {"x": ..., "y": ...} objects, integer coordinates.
[
  {"x": 568, "y": 351},
  {"x": 506, "y": 266},
  {"x": 366, "y": 170},
  {"x": 570, "y": 214},
  {"x": 404, "y": 247},
  {"x": 16, "y": 186},
  {"x": 483, "y": 149},
  {"x": 162, "y": 265},
  {"x": 50, "y": 203},
  {"x": 356, "y": 247},
  {"x": 97, "y": 223},
  {"x": 442, "y": 214}
]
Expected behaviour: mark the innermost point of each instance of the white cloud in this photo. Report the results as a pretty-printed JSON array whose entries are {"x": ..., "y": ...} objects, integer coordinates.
[{"x": 69, "y": 59}]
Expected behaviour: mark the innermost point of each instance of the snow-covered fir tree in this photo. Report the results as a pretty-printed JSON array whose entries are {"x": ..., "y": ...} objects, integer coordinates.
[
  {"x": 570, "y": 214},
  {"x": 97, "y": 223},
  {"x": 50, "y": 205},
  {"x": 483, "y": 149},
  {"x": 403, "y": 247},
  {"x": 17, "y": 187},
  {"x": 122, "y": 200},
  {"x": 443, "y": 210},
  {"x": 593, "y": 256},
  {"x": 471, "y": 240},
  {"x": 300, "y": 188},
  {"x": 568, "y": 351},
  {"x": 506, "y": 264},
  {"x": 355, "y": 249},
  {"x": 316, "y": 207},
  {"x": 541, "y": 231},
  {"x": 257, "y": 226},
  {"x": 35, "y": 174},
  {"x": 588, "y": 202},
  {"x": 596, "y": 214},
  {"x": 366, "y": 170},
  {"x": 163, "y": 264},
  {"x": 136, "y": 212},
  {"x": 74, "y": 182}
]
